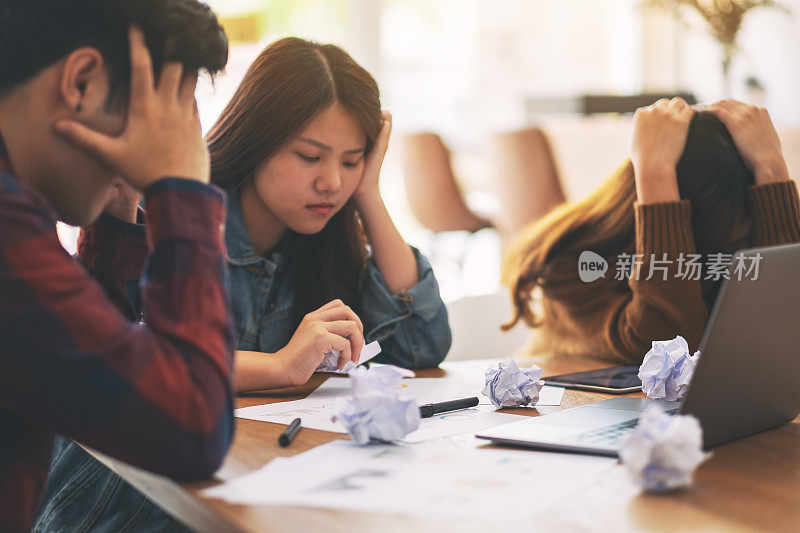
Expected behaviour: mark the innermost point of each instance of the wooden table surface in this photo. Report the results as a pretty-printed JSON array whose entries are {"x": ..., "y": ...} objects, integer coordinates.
[{"x": 751, "y": 484}]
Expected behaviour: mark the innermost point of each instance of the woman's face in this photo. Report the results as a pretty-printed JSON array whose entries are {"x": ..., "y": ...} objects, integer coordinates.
[{"x": 311, "y": 178}]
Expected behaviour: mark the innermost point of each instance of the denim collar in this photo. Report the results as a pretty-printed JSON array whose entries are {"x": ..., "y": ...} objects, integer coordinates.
[{"x": 237, "y": 239}]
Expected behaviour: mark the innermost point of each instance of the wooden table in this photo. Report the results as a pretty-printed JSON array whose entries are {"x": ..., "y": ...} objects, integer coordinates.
[{"x": 751, "y": 484}]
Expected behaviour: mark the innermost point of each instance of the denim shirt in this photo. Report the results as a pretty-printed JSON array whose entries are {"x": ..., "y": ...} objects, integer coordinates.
[{"x": 411, "y": 326}]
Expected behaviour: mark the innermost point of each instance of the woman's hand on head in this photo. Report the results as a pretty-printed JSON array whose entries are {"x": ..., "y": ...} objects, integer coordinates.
[
  {"x": 659, "y": 138},
  {"x": 368, "y": 186},
  {"x": 334, "y": 326},
  {"x": 755, "y": 138}
]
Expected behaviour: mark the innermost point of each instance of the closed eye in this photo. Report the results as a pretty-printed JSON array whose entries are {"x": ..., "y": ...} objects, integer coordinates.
[
  {"x": 355, "y": 163},
  {"x": 308, "y": 159}
]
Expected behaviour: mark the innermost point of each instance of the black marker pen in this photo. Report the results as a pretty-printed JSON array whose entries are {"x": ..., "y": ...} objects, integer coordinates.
[
  {"x": 289, "y": 433},
  {"x": 428, "y": 410}
]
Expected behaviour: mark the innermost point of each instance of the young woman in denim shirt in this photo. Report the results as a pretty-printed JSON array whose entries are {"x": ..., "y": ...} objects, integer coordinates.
[
  {"x": 299, "y": 150},
  {"x": 316, "y": 263}
]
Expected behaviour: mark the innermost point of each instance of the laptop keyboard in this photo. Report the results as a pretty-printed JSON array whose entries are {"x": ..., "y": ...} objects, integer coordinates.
[
  {"x": 607, "y": 435},
  {"x": 610, "y": 435}
]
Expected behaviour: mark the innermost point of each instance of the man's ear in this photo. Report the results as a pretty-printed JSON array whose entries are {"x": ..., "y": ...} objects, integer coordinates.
[{"x": 84, "y": 80}]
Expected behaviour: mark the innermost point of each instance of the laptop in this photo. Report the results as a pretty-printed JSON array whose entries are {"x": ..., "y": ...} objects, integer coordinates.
[{"x": 747, "y": 379}]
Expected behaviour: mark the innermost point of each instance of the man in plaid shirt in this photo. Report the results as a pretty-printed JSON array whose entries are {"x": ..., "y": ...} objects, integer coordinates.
[{"x": 93, "y": 92}]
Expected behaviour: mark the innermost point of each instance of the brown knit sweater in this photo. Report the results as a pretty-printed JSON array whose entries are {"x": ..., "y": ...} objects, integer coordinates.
[{"x": 622, "y": 324}]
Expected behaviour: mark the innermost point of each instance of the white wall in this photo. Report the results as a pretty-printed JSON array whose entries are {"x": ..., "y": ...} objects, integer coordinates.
[{"x": 769, "y": 42}]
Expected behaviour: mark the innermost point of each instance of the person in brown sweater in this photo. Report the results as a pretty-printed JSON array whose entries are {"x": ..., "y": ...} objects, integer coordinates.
[{"x": 698, "y": 183}]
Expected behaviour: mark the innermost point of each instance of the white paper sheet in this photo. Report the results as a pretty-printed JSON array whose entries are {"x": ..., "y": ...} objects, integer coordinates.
[
  {"x": 424, "y": 479},
  {"x": 315, "y": 411},
  {"x": 457, "y": 422},
  {"x": 424, "y": 390},
  {"x": 432, "y": 390},
  {"x": 547, "y": 396}
]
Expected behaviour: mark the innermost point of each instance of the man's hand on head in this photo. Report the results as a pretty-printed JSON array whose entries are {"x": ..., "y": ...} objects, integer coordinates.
[{"x": 162, "y": 135}]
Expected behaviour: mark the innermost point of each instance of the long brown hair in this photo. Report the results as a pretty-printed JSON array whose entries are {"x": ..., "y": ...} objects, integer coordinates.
[
  {"x": 285, "y": 88},
  {"x": 603, "y": 223},
  {"x": 710, "y": 173}
]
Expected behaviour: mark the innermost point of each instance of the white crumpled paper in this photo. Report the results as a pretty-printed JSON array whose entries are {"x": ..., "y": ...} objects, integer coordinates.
[
  {"x": 376, "y": 410},
  {"x": 667, "y": 369},
  {"x": 331, "y": 361},
  {"x": 509, "y": 386},
  {"x": 664, "y": 450}
]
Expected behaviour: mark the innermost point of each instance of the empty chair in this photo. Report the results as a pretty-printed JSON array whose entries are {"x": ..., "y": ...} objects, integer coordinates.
[
  {"x": 527, "y": 182},
  {"x": 433, "y": 194}
]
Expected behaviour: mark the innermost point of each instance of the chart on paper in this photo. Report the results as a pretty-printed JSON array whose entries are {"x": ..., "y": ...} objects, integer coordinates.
[{"x": 420, "y": 479}]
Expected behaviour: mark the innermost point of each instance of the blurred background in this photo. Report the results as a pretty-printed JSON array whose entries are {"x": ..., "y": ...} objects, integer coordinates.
[{"x": 504, "y": 108}]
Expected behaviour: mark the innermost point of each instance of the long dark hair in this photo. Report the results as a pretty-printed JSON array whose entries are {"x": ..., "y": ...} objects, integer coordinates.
[
  {"x": 285, "y": 88},
  {"x": 711, "y": 174}
]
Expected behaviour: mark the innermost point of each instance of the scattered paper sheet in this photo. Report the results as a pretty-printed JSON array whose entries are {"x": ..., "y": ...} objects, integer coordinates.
[
  {"x": 316, "y": 410},
  {"x": 424, "y": 479},
  {"x": 432, "y": 390},
  {"x": 470, "y": 420},
  {"x": 424, "y": 390},
  {"x": 550, "y": 395}
]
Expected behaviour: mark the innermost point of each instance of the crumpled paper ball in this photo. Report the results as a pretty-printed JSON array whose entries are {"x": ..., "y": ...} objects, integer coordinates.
[
  {"x": 509, "y": 386},
  {"x": 376, "y": 410},
  {"x": 331, "y": 360},
  {"x": 667, "y": 369},
  {"x": 330, "y": 363},
  {"x": 664, "y": 450}
]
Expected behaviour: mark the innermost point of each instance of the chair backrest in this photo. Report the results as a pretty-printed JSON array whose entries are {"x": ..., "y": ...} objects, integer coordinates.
[
  {"x": 587, "y": 150},
  {"x": 526, "y": 181},
  {"x": 475, "y": 322},
  {"x": 431, "y": 188}
]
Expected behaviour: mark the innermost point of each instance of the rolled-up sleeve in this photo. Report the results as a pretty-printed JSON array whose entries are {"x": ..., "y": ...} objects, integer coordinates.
[{"x": 411, "y": 325}]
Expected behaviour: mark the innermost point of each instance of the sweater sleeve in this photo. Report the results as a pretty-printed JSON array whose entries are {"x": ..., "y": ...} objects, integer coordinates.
[
  {"x": 776, "y": 213},
  {"x": 665, "y": 297},
  {"x": 653, "y": 294}
]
